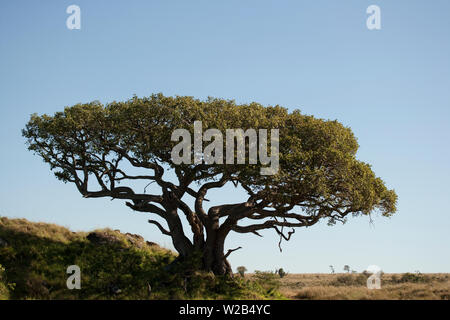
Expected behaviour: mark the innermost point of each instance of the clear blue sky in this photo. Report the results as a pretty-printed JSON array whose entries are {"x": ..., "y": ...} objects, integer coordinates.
[{"x": 391, "y": 86}]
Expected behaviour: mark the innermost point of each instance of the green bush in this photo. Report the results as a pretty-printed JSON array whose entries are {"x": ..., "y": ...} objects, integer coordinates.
[
  {"x": 268, "y": 280},
  {"x": 5, "y": 287}
]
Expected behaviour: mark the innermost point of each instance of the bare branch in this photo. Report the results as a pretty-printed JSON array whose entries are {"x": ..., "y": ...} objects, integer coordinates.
[
  {"x": 283, "y": 236},
  {"x": 231, "y": 251},
  {"x": 123, "y": 193},
  {"x": 160, "y": 227}
]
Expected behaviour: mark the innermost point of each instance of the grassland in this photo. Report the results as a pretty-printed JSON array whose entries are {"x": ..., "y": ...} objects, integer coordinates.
[
  {"x": 401, "y": 286},
  {"x": 34, "y": 258}
]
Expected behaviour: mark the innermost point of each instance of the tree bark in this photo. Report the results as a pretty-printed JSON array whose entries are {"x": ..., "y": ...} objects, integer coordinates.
[
  {"x": 213, "y": 254},
  {"x": 181, "y": 243}
]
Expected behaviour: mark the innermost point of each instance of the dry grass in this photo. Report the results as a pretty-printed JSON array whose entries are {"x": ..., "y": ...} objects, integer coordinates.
[
  {"x": 393, "y": 287},
  {"x": 41, "y": 230},
  {"x": 62, "y": 234}
]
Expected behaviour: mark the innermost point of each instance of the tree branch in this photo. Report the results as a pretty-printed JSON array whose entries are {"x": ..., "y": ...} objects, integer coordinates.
[
  {"x": 231, "y": 251},
  {"x": 160, "y": 227}
]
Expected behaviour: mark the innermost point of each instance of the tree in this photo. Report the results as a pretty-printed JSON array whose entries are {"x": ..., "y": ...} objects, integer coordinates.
[
  {"x": 347, "y": 268},
  {"x": 281, "y": 273},
  {"x": 106, "y": 150},
  {"x": 241, "y": 270},
  {"x": 332, "y": 269}
]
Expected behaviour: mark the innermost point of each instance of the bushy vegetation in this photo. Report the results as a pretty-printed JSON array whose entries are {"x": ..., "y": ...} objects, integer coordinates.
[
  {"x": 5, "y": 287},
  {"x": 350, "y": 280},
  {"x": 411, "y": 277},
  {"x": 113, "y": 266},
  {"x": 268, "y": 280}
]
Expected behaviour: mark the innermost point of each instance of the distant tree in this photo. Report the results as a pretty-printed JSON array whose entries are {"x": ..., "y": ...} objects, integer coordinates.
[
  {"x": 114, "y": 150},
  {"x": 241, "y": 270},
  {"x": 347, "y": 268},
  {"x": 332, "y": 269},
  {"x": 282, "y": 273}
]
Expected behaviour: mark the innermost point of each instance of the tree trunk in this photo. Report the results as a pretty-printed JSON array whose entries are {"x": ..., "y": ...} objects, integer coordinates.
[
  {"x": 213, "y": 257},
  {"x": 181, "y": 243},
  {"x": 213, "y": 254}
]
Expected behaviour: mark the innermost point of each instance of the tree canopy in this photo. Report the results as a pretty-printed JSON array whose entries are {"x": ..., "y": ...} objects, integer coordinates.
[{"x": 319, "y": 176}]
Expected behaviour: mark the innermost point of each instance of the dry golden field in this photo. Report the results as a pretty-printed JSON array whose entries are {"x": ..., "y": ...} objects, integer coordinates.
[{"x": 340, "y": 286}]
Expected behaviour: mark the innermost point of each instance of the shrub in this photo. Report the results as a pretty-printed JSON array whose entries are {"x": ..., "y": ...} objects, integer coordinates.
[
  {"x": 5, "y": 287},
  {"x": 414, "y": 277},
  {"x": 350, "y": 280},
  {"x": 267, "y": 279}
]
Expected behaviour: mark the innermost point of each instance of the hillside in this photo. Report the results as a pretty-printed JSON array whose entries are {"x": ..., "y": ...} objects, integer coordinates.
[{"x": 34, "y": 258}]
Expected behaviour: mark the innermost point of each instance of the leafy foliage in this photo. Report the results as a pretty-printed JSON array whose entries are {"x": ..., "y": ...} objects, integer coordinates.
[
  {"x": 319, "y": 176},
  {"x": 5, "y": 287},
  {"x": 317, "y": 157}
]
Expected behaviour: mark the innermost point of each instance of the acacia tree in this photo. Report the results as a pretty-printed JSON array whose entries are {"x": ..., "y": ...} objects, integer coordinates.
[{"x": 105, "y": 149}]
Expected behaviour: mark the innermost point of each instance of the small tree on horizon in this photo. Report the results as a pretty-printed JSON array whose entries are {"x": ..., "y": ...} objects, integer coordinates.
[
  {"x": 281, "y": 273},
  {"x": 241, "y": 270}
]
